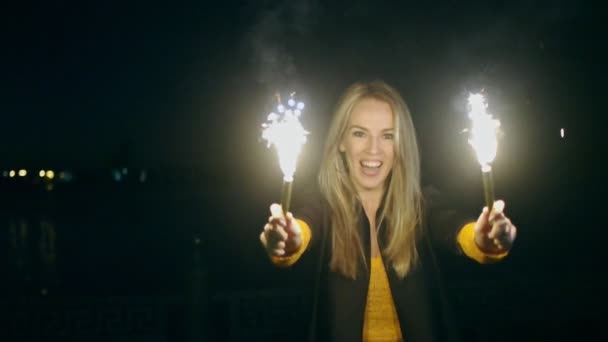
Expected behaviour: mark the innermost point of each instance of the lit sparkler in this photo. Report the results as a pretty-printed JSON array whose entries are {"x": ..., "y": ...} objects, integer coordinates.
[
  {"x": 484, "y": 142},
  {"x": 284, "y": 131}
]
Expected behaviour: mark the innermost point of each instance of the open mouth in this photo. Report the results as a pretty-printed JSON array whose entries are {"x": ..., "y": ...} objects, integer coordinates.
[
  {"x": 370, "y": 167},
  {"x": 371, "y": 164}
]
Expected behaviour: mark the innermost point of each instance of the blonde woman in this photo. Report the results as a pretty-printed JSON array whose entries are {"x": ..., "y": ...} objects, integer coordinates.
[{"x": 376, "y": 229}]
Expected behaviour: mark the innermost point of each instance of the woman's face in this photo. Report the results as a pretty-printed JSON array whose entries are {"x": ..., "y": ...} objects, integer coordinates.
[{"x": 368, "y": 144}]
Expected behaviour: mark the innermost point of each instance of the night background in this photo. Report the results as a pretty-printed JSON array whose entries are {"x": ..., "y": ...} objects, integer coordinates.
[{"x": 149, "y": 117}]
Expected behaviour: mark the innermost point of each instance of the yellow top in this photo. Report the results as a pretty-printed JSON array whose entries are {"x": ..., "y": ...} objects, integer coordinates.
[{"x": 381, "y": 321}]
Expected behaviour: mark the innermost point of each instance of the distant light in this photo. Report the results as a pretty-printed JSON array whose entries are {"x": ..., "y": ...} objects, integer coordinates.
[
  {"x": 143, "y": 176},
  {"x": 22, "y": 173},
  {"x": 41, "y": 173},
  {"x": 65, "y": 175},
  {"x": 11, "y": 173},
  {"x": 5, "y": 173},
  {"x": 116, "y": 175},
  {"x": 50, "y": 187},
  {"x": 562, "y": 132},
  {"x": 125, "y": 171},
  {"x": 50, "y": 174}
]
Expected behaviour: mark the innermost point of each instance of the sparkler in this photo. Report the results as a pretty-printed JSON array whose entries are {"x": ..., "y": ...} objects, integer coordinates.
[
  {"x": 484, "y": 142},
  {"x": 284, "y": 131}
]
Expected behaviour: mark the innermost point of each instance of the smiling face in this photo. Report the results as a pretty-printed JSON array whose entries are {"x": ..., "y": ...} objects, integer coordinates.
[{"x": 368, "y": 144}]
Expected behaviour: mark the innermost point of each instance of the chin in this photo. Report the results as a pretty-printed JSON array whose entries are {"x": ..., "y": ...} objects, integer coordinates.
[{"x": 372, "y": 185}]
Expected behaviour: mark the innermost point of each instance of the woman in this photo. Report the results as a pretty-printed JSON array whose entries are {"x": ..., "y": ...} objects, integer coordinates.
[{"x": 377, "y": 229}]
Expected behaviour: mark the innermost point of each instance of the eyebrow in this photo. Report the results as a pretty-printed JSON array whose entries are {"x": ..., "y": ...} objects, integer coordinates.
[{"x": 365, "y": 129}]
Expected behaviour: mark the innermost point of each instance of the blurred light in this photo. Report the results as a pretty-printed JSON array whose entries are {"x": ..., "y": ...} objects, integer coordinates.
[
  {"x": 116, "y": 175},
  {"x": 273, "y": 117},
  {"x": 11, "y": 173},
  {"x": 5, "y": 173},
  {"x": 65, "y": 175},
  {"x": 22, "y": 173},
  {"x": 50, "y": 174},
  {"x": 562, "y": 132},
  {"x": 50, "y": 187},
  {"x": 125, "y": 171},
  {"x": 143, "y": 175},
  {"x": 41, "y": 173}
]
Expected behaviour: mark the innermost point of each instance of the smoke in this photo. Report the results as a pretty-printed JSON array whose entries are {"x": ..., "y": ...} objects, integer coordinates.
[{"x": 272, "y": 38}]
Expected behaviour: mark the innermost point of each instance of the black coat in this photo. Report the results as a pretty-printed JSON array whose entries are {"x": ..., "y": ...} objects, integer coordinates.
[{"x": 420, "y": 298}]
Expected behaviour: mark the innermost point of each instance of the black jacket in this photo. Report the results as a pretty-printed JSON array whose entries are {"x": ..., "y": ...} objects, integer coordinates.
[{"x": 420, "y": 298}]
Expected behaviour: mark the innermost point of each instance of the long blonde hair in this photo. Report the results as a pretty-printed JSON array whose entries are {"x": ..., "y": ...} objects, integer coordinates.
[{"x": 401, "y": 212}]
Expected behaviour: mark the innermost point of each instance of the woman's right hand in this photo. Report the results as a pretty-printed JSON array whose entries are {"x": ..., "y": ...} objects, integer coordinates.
[{"x": 282, "y": 234}]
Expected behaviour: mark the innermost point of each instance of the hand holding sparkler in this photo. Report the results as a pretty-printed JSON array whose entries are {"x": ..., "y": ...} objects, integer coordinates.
[
  {"x": 494, "y": 232},
  {"x": 282, "y": 234}
]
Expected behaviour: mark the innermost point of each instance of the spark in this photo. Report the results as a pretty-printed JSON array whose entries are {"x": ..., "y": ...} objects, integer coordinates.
[
  {"x": 285, "y": 132},
  {"x": 483, "y": 131}
]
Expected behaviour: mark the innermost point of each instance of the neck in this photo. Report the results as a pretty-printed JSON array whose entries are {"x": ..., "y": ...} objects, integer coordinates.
[{"x": 370, "y": 200}]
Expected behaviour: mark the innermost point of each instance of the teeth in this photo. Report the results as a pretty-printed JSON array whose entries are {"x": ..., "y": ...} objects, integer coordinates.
[{"x": 372, "y": 164}]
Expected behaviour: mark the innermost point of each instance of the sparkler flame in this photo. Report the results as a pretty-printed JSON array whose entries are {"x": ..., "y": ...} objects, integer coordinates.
[
  {"x": 483, "y": 131},
  {"x": 285, "y": 132}
]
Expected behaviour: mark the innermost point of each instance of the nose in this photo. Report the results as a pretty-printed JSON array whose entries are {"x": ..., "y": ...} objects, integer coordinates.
[{"x": 373, "y": 145}]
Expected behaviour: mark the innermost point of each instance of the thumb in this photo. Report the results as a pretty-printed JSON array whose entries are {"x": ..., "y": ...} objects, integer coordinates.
[
  {"x": 276, "y": 211},
  {"x": 483, "y": 220},
  {"x": 292, "y": 225},
  {"x": 497, "y": 209}
]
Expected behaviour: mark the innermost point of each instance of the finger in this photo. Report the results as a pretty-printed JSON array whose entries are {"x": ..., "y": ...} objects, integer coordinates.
[
  {"x": 499, "y": 227},
  {"x": 263, "y": 239},
  {"x": 499, "y": 245},
  {"x": 505, "y": 241},
  {"x": 277, "y": 233},
  {"x": 276, "y": 216},
  {"x": 277, "y": 221},
  {"x": 482, "y": 221},
  {"x": 497, "y": 208},
  {"x": 513, "y": 234},
  {"x": 277, "y": 252},
  {"x": 292, "y": 226}
]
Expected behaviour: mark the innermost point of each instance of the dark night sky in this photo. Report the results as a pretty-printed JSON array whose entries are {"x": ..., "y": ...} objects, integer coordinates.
[{"x": 179, "y": 82}]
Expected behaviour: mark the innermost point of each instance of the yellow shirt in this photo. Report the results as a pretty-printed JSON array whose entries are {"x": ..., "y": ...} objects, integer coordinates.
[{"x": 381, "y": 322}]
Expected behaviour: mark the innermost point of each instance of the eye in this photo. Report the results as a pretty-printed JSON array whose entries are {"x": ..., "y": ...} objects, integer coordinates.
[
  {"x": 358, "y": 134},
  {"x": 389, "y": 136}
]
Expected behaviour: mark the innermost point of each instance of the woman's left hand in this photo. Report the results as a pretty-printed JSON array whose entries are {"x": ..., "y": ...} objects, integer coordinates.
[{"x": 494, "y": 233}]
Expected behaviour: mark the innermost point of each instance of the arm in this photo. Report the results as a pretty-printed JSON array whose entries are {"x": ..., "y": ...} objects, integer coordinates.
[
  {"x": 296, "y": 234},
  {"x": 292, "y": 258},
  {"x": 456, "y": 234}
]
